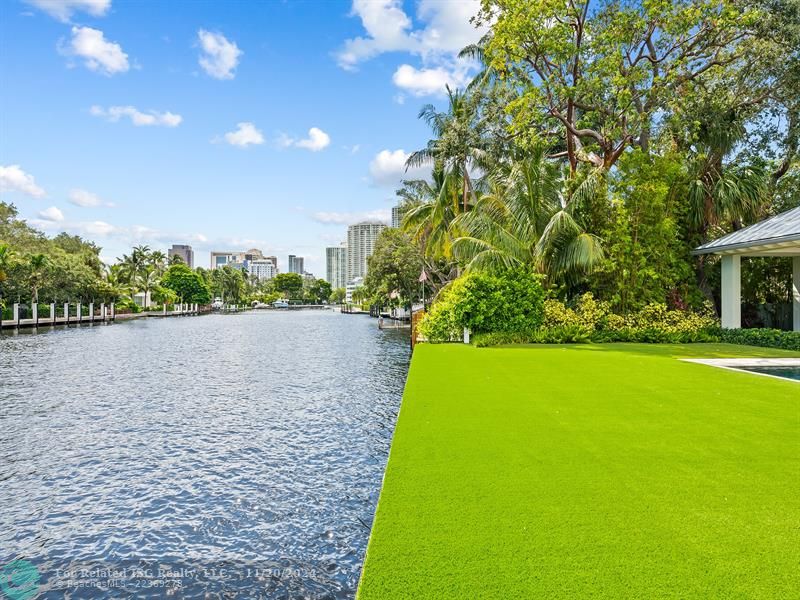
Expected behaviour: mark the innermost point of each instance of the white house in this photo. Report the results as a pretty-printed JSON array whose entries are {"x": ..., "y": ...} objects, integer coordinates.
[{"x": 776, "y": 236}]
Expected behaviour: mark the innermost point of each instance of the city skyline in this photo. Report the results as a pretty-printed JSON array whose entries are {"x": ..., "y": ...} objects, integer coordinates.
[{"x": 179, "y": 131}]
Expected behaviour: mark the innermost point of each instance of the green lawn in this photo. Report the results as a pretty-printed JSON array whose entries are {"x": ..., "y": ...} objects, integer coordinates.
[{"x": 612, "y": 471}]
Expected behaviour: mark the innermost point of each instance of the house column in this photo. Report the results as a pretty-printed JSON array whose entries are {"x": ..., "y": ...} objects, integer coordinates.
[
  {"x": 732, "y": 291},
  {"x": 796, "y": 292}
]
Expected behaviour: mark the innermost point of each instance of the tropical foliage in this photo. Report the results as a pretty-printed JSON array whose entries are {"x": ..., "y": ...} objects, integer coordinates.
[
  {"x": 602, "y": 141},
  {"x": 483, "y": 303}
]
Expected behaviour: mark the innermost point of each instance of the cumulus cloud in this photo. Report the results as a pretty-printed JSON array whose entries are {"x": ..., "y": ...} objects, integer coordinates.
[
  {"x": 317, "y": 140},
  {"x": 86, "y": 199},
  {"x": 137, "y": 117},
  {"x": 14, "y": 179},
  {"x": 428, "y": 82},
  {"x": 51, "y": 214},
  {"x": 219, "y": 56},
  {"x": 245, "y": 135},
  {"x": 388, "y": 28},
  {"x": 348, "y": 218},
  {"x": 388, "y": 168},
  {"x": 64, "y": 9},
  {"x": 98, "y": 53}
]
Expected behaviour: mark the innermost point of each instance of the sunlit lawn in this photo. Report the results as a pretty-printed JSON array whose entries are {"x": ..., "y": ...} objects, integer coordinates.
[{"x": 576, "y": 471}]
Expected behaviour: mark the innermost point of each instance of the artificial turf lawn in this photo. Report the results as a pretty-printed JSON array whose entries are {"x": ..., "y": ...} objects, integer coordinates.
[{"x": 613, "y": 471}]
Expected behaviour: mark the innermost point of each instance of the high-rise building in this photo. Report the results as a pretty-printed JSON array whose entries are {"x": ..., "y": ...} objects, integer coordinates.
[
  {"x": 397, "y": 216},
  {"x": 361, "y": 239},
  {"x": 336, "y": 265},
  {"x": 263, "y": 269},
  {"x": 253, "y": 254},
  {"x": 274, "y": 261},
  {"x": 296, "y": 264},
  {"x": 184, "y": 251},
  {"x": 220, "y": 259},
  {"x": 237, "y": 260}
]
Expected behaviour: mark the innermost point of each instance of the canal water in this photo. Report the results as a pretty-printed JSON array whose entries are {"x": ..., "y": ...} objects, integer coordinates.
[{"x": 219, "y": 456}]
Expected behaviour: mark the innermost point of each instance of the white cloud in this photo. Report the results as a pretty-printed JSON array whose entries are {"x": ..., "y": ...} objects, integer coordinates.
[
  {"x": 63, "y": 9},
  {"x": 348, "y": 218},
  {"x": 427, "y": 82},
  {"x": 245, "y": 135},
  {"x": 52, "y": 214},
  {"x": 14, "y": 179},
  {"x": 317, "y": 140},
  {"x": 87, "y": 199},
  {"x": 448, "y": 27},
  {"x": 100, "y": 228},
  {"x": 138, "y": 118},
  {"x": 98, "y": 53},
  {"x": 388, "y": 168},
  {"x": 389, "y": 29},
  {"x": 219, "y": 55}
]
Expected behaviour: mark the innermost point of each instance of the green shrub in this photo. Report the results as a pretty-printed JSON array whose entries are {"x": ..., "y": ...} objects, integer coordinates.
[
  {"x": 593, "y": 321},
  {"x": 508, "y": 303},
  {"x": 767, "y": 338}
]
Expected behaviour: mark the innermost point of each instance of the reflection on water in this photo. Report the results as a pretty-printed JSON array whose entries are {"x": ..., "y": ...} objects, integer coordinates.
[{"x": 201, "y": 457}]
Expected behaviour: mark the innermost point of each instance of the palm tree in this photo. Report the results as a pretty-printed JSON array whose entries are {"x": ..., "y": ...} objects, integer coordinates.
[
  {"x": 524, "y": 221},
  {"x": 132, "y": 265},
  {"x": 432, "y": 207},
  {"x": 458, "y": 144},
  {"x": 115, "y": 287},
  {"x": 722, "y": 194},
  {"x": 37, "y": 264},
  {"x": 147, "y": 280},
  {"x": 158, "y": 261}
]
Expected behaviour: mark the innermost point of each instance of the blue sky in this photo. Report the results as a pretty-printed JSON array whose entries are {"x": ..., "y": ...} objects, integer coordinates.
[{"x": 226, "y": 125}]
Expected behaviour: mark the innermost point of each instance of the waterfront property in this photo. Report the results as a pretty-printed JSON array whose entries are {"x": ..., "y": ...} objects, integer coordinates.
[
  {"x": 575, "y": 471},
  {"x": 778, "y": 236}
]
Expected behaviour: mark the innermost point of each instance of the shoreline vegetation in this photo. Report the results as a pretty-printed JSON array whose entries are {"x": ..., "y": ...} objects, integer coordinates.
[
  {"x": 35, "y": 269},
  {"x": 595, "y": 150}
]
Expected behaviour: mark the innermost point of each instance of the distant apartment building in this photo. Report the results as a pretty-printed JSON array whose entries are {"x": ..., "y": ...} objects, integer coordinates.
[
  {"x": 237, "y": 260},
  {"x": 351, "y": 287},
  {"x": 262, "y": 269},
  {"x": 336, "y": 266},
  {"x": 274, "y": 261},
  {"x": 397, "y": 216},
  {"x": 361, "y": 239},
  {"x": 184, "y": 252},
  {"x": 296, "y": 264}
]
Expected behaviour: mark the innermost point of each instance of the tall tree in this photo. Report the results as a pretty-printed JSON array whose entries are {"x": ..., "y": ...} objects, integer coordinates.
[
  {"x": 596, "y": 76},
  {"x": 458, "y": 145},
  {"x": 394, "y": 269}
]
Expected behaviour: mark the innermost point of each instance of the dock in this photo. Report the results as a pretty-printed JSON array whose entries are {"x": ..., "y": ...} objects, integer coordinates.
[{"x": 74, "y": 314}]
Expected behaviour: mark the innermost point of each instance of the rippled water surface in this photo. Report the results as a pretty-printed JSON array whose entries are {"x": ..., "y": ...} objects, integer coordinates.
[{"x": 218, "y": 456}]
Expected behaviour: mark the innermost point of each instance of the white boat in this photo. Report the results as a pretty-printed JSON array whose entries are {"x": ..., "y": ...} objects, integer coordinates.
[{"x": 280, "y": 304}]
